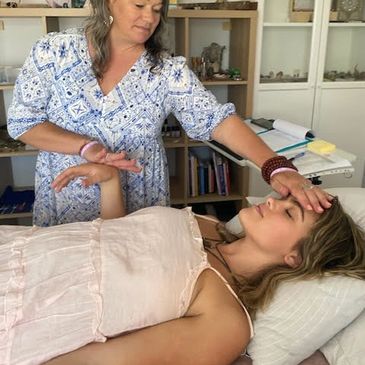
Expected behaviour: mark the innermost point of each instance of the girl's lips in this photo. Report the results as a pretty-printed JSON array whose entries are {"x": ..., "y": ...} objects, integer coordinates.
[{"x": 258, "y": 208}]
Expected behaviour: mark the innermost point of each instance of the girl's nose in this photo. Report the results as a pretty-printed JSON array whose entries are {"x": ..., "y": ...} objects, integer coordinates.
[{"x": 270, "y": 202}]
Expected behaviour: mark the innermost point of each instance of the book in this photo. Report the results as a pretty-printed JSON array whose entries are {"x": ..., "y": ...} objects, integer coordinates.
[{"x": 285, "y": 135}]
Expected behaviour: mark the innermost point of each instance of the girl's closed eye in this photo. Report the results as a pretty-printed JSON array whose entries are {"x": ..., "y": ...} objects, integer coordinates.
[{"x": 287, "y": 211}]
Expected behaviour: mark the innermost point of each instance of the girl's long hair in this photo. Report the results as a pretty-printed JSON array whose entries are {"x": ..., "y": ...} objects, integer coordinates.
[
  {"x": 97, "y": 27},
  {"x": 335, "y": 246}
]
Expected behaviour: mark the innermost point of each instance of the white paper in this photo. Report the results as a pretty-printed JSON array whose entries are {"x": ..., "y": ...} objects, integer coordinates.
[
  {"x": 311, "y": 164},
  {"x": 294, "y": 130}
]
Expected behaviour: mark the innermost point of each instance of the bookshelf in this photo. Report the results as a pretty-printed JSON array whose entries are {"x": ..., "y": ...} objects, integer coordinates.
[{"x": 239, "y": 29}]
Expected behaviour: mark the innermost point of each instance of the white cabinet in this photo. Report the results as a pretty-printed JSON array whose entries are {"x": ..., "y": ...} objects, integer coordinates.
[{"x": 313, "y": 73}]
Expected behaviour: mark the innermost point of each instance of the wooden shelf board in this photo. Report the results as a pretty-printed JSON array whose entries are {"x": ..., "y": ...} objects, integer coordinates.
[
  {"x": 224, "y": 82},
  {"x": 16, "y": 215},
  {"x": 194, "y": 13},
  {"x": 192, "y": 143},
  {"x": 19, "y": 153},
  {"x": 42, "y": 12},
  {"x": 173, "y": 142},
  {"x": 177, "y": 201},
  {"x": 213, "y": 197},
  {"x": 74, "y": 12},
  {"x": 6, "y": 86}
]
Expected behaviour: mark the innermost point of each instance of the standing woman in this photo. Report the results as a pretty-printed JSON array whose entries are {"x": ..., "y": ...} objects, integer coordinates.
[{"x": 102, "y": 93}]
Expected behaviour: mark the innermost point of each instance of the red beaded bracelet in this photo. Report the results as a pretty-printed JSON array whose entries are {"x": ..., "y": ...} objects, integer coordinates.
[{"x": 273, "y": 164}]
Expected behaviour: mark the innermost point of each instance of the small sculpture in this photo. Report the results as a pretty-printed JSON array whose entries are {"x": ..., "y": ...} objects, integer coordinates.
[{"x": 212, "y": 56}]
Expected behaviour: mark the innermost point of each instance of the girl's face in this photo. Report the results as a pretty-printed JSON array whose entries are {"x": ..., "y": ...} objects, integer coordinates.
[
  {"x": 135, "y": 20},
  {"x": 274, "y": 228}
]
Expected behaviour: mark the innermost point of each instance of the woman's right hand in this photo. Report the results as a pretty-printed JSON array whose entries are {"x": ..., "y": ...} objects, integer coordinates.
[
  {"x": 98, "y": 153},
  {"x": 91, "y": 173}
]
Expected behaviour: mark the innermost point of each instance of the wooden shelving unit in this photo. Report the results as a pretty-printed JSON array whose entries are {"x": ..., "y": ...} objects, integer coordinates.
[{"x": 241, "y": 48}]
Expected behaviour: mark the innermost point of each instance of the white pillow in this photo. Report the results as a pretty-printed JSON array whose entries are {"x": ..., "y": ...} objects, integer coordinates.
[
  {"x": 353, "y": 201},
  {"x": 348, "y": 346},
  {"x": 304, "y": 316}
]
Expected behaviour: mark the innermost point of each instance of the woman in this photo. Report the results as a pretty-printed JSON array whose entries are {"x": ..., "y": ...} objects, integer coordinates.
[
  {"x": 70, "y": 285},
  {"x": 102, "y": 94}
]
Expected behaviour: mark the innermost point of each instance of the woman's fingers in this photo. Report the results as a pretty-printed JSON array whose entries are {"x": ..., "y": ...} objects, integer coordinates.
[
  {"x": 123, "y": 164},
  {"x": 309, "y": 196}
]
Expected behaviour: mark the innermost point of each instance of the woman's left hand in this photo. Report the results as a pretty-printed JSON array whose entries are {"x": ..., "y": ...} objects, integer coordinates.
[
  {"x": 310, "y": 197},
  {"x": 99, "y": 154},
  {"x": 120, "y": 161}
]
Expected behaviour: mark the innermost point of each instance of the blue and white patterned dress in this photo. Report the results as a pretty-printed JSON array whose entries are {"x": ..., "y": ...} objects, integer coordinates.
[{"x": 57, "y": 84}]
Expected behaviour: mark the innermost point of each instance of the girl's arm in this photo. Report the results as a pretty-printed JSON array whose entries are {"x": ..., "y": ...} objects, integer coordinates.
[
  {"x": 111, "y": 200},
  {"x": 215, "y": 333}
]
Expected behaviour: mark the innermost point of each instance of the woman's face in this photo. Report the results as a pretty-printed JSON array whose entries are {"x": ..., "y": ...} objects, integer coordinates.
[
  {"x": 135, "y": 20},
  {"x": 275, "y": 227}
]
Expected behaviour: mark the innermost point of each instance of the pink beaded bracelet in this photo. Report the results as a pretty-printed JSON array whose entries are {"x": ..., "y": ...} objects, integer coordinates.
[
  {"x": 86, "y": 146},
  {"x": 281, "y": 169}
]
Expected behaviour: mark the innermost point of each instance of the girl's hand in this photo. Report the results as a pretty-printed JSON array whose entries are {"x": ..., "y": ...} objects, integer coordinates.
[
  {"x": 310, "y": 197},
  {"x": 92, "y": 173},
  {"x": 98, "y": 153}
]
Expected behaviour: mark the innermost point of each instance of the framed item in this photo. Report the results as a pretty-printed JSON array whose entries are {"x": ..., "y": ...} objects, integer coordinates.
[
  {"x": 303, "y": 5},
  {"x": 301, "y": 10}
]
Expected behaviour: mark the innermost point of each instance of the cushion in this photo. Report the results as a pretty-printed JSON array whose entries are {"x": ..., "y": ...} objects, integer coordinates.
[
  {"x": 348, "y": 346},
  {"x": 353, "y": 201},
  {"x": 315, "y": 359},
  {"x": 301, "y": 317}
]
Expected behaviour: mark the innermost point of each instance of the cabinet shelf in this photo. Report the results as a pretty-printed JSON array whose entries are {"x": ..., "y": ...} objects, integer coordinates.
[
  {"x": 16, "y": 215},
  {"x": 6, "y": 87},
  {"x": 213, "y": 197},
  {"x": 224, "y": 82},
  {"x": 43, "y": 12},
  {"x": 347, "y": 25},
  {"x": 19, "y": 153},
  {"x": 288, "y": 25}
]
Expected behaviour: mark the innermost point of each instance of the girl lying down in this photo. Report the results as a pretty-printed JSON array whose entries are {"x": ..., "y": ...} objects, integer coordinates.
[{"x": 147, "y": 289}]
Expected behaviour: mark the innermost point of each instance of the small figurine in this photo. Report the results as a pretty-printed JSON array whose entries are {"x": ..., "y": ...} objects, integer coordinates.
[{"x": 213, "y": 55}]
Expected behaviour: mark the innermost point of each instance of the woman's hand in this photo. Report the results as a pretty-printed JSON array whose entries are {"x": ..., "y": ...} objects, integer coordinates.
[
  {"x": 309, "y": 196},
  {"x": 92, "y": 173},
  {"x": 98, "y": 153}
]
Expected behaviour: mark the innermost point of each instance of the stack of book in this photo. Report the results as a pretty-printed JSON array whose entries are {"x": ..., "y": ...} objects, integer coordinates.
[
  {"x": 208, "y": 176},
  {"x": 16, "y": 201}
]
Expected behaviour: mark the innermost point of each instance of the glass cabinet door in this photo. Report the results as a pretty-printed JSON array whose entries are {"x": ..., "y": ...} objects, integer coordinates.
[
  {"x": 345, "y": 51},
  {"x": 288, "y": 40}
]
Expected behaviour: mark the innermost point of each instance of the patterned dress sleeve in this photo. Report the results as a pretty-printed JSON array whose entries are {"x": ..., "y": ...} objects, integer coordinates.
[
  {"x": 31, "y": 91},
  {"x": 195, "y": 107}
]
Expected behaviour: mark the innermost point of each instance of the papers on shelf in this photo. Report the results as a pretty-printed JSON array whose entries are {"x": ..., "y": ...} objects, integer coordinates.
[
  {"x": 311, "y": 165},
  {"x": 285, "y": 135}
]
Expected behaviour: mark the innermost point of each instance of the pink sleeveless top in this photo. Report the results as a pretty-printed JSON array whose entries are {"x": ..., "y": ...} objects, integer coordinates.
[{"x": 95, "y": 280}]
